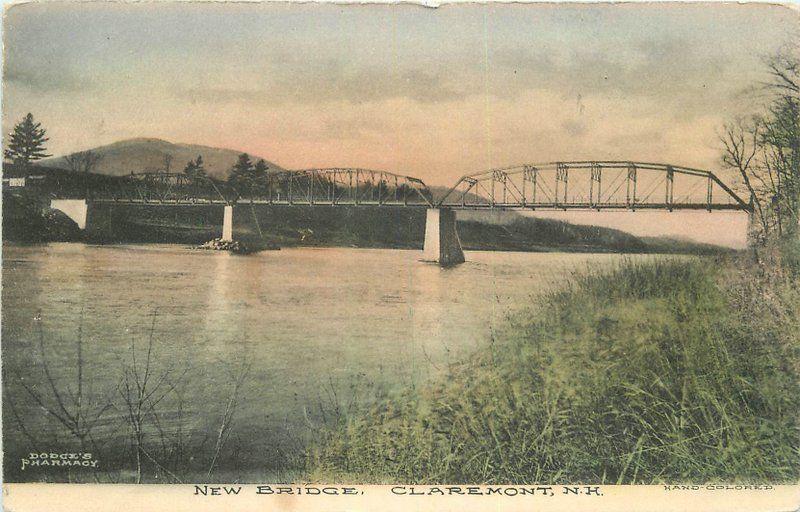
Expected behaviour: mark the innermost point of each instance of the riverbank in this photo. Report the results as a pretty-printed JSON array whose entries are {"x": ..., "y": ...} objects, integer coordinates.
[
  {"x": 28, "y": 218},
  {"x": 25, "y": 220},
  {"x": 661, "y": 371}
]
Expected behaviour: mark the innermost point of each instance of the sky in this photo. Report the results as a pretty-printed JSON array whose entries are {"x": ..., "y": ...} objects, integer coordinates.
[{"x": 433, "y": 93}]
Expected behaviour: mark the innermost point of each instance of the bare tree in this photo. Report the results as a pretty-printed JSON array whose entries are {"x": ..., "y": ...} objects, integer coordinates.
[
  {"x": 69, "y": 406},
  {"x": 142, "y": 391},
  {"x": 741, "y": 146},
  {"x": 83, "y": 161},
  {"x": 765, "y": 149},
  {"x": 237, "y": 378},
  {"x": 167, "y": 162},
  {"x": 784, "y": 69}
]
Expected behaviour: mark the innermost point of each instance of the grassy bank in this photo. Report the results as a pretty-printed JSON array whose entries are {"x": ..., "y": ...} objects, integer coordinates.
[{"x": 668, "y": 371}]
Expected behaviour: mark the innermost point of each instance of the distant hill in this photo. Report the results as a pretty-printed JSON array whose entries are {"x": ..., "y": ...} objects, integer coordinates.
[
  {"x": 144, "y": 154},
  {"x": 516, "y": 233},
  {"x": 438, "y": 192},
  {"x": 27, "y": 217},
  {"x": 681, "y": 245}
]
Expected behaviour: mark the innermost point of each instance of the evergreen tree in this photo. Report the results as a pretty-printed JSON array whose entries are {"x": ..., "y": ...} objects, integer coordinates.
[
  {"x": 26, "y": 142},
  {"x": 190, "y": 168},
  {"x": 242, "y": 174},
  {"x": 261, "y": 177},
  {"x": 195, "y": 169},
  {"x": 200, "y": 167},
  {"x": 261, "y": 168}
]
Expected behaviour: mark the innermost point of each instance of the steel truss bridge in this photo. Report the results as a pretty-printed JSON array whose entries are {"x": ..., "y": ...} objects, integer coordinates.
[
  {"x": 329, "y": 186},
  {"x": 593, "y": 185},
  {"x": 576, "y": 185}
]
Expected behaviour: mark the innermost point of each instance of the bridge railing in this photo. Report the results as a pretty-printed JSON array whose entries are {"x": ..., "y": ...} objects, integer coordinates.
[
  {"x": 336, "y": 186},
  {"x": 593, "y": 185},
  {"x": 333, "y": 186},
  {"x": 160, "y": 187},
  {"x": 551, "y": 185}
]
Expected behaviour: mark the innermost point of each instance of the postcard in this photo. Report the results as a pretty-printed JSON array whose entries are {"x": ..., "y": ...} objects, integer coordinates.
[{"x": 316, "y": 256}]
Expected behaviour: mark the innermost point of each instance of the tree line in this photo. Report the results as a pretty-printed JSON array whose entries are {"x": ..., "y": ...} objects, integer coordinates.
[
  {"x": 26, "y": 144},
  {"x": 764, "y": 149}
]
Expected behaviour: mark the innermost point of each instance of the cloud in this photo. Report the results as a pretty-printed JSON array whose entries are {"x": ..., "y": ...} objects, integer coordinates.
[
  {"x": 219, "y": 94},
  {"x": 331, "y": 82},
  {"x": 44, "y": 79},
  {"x": 668, "y": 69},
  {"x": 574, "y": 127},
  {"x": 688, "y": 82},
  {"x": 432, "y": 93}
]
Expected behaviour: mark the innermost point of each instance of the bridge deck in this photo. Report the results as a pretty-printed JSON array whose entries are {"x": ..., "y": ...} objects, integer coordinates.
[
  {"x": 574, "y": 185},
  {"x": 452, "y": 206}
]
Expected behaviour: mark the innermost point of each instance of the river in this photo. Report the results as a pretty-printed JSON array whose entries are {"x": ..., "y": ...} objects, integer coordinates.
[{"x": 319, "y": 331}]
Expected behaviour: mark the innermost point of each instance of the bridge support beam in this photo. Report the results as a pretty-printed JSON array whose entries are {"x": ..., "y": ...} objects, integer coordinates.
[
  {"x": 75, "y": 209},
  {"x": 442, "y": 245},
  {"x": 227, "y": 224}
]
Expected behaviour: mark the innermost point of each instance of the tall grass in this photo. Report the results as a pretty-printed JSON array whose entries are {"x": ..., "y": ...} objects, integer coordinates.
[{"x": 660, "y": 371}]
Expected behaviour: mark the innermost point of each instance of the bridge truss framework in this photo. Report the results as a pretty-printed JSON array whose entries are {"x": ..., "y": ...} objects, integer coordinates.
[
  {"x": 582, "y": 185},
  {"x": 329, "y": 186},
  {"x": 593, "y": 185}
]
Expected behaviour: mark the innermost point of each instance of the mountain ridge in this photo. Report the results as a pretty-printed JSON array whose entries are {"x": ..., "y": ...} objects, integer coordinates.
[{"x": 140, "y": 154}]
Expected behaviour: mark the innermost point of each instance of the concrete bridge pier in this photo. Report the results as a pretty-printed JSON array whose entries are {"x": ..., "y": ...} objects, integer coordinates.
[
  {"x": 75, "y": 209},
  {"x": 442, "y": 244},
  {"x": 227, "y": 224}
]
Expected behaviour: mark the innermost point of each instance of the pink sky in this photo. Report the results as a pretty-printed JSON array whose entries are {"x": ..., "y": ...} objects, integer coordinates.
[{"x": 434, "y": 93}]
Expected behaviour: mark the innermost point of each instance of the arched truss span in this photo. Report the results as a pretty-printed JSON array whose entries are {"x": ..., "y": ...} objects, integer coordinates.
[
  {"x": 338, "y": 186},
  {"x": 331, "y": 186},
  {"x": 595, "y": 185}
]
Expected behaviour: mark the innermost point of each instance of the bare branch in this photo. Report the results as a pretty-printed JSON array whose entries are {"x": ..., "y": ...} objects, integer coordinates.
[{"x": 83, "y": 161}]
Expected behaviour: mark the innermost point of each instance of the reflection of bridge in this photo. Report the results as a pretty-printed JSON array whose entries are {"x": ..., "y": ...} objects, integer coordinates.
[{"x": 587, "y": 185}]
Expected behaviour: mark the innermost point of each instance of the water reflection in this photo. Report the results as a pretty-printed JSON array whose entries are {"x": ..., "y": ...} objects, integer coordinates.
[
  {"x": 220, "y": 307},
  {"x": 317, "y": 325}
]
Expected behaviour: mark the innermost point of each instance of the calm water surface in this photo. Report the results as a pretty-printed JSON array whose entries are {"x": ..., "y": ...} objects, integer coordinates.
[{"x": 319, "y": 328}]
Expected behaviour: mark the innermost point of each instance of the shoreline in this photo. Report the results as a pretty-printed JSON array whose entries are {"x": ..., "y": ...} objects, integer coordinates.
[
  {"x": 544, "y": 250},
  {"x": 547, "y": 400}
]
